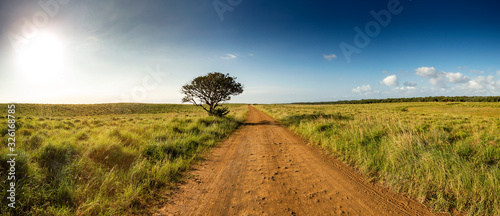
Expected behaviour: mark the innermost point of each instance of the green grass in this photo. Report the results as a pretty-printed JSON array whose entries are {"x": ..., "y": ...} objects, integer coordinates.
[
  {"x": 445, "y": 155},
  {"x": 108, "y": 159}
]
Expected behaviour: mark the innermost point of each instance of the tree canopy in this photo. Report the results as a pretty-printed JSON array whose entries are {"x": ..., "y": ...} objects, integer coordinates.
[{"x": 210, "y": 90}]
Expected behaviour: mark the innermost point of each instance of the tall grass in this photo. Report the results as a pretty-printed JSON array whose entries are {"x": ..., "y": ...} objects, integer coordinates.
[
  {"x": 446, "y": 155},
  {"x": 113, "y": 163}
]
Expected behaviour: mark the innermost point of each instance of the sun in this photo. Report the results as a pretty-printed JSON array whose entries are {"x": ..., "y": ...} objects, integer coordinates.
[{"x": 41, "y": 57}]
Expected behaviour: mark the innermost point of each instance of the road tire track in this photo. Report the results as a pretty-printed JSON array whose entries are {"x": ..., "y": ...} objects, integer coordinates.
[{"x": 265, "y": 169}]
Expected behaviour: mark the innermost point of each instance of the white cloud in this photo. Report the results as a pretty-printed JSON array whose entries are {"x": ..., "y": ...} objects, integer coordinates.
[
  {"x": 426, "y": 72},
  {"x": 440, "y": 78},
  {"x": 475, "y": 85},
  {"x": 498, "y": 73},
  {"x": 391, "y": 81},
  {"x": 476, "y": 71},
  {"x": 329, "y": 57},
  {"x": 481, "y": 83},
  {"x": 410, "y": 84},
  {"x": 229, "y": 56},
  {"x": 457, "y": 78},
  {"x": 251, "y": 54},
  {"x": 362, "y": 89},
  {"x": 407, "y": 88},
  {"x": 459, "y": 67}
]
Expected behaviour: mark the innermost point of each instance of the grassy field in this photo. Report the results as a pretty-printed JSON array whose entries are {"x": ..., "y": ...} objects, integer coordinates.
[
  {"x": 446, "y": 155},
  {"x": 107, "y": 159}
]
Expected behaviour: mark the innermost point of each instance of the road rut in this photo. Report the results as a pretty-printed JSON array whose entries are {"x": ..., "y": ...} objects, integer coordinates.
[{"x": 265, "y": 169}]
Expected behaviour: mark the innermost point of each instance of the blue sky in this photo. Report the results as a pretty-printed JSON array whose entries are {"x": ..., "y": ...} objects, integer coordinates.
[{"x": 89, "y": 51}]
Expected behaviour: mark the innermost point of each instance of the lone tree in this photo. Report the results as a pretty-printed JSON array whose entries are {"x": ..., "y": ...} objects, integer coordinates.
[{"x": 211, "y": 90}]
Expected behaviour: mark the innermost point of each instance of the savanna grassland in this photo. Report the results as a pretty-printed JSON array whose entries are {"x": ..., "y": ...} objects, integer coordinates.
[
  {"x": 106, "y": 159},
  {"x": 445, "y": 155}
]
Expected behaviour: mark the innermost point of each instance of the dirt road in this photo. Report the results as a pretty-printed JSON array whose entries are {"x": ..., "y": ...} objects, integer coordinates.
[{"x": 265, "y": 169}]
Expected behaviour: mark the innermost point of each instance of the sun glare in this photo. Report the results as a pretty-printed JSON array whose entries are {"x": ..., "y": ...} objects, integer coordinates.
[{"x": 41, "y": 57}]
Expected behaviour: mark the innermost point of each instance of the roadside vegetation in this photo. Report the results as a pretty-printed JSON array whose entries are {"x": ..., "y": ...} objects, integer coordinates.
[
  {"x": 106, "y": 159},
  {"x": 445, "y": 155}
]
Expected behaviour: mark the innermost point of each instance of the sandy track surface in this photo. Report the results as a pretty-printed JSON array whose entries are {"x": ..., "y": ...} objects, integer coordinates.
[{"x": 265, "y": 169}]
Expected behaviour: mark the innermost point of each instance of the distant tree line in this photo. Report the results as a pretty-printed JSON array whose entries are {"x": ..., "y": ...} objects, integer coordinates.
[{"x": 414, "y": 99}]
